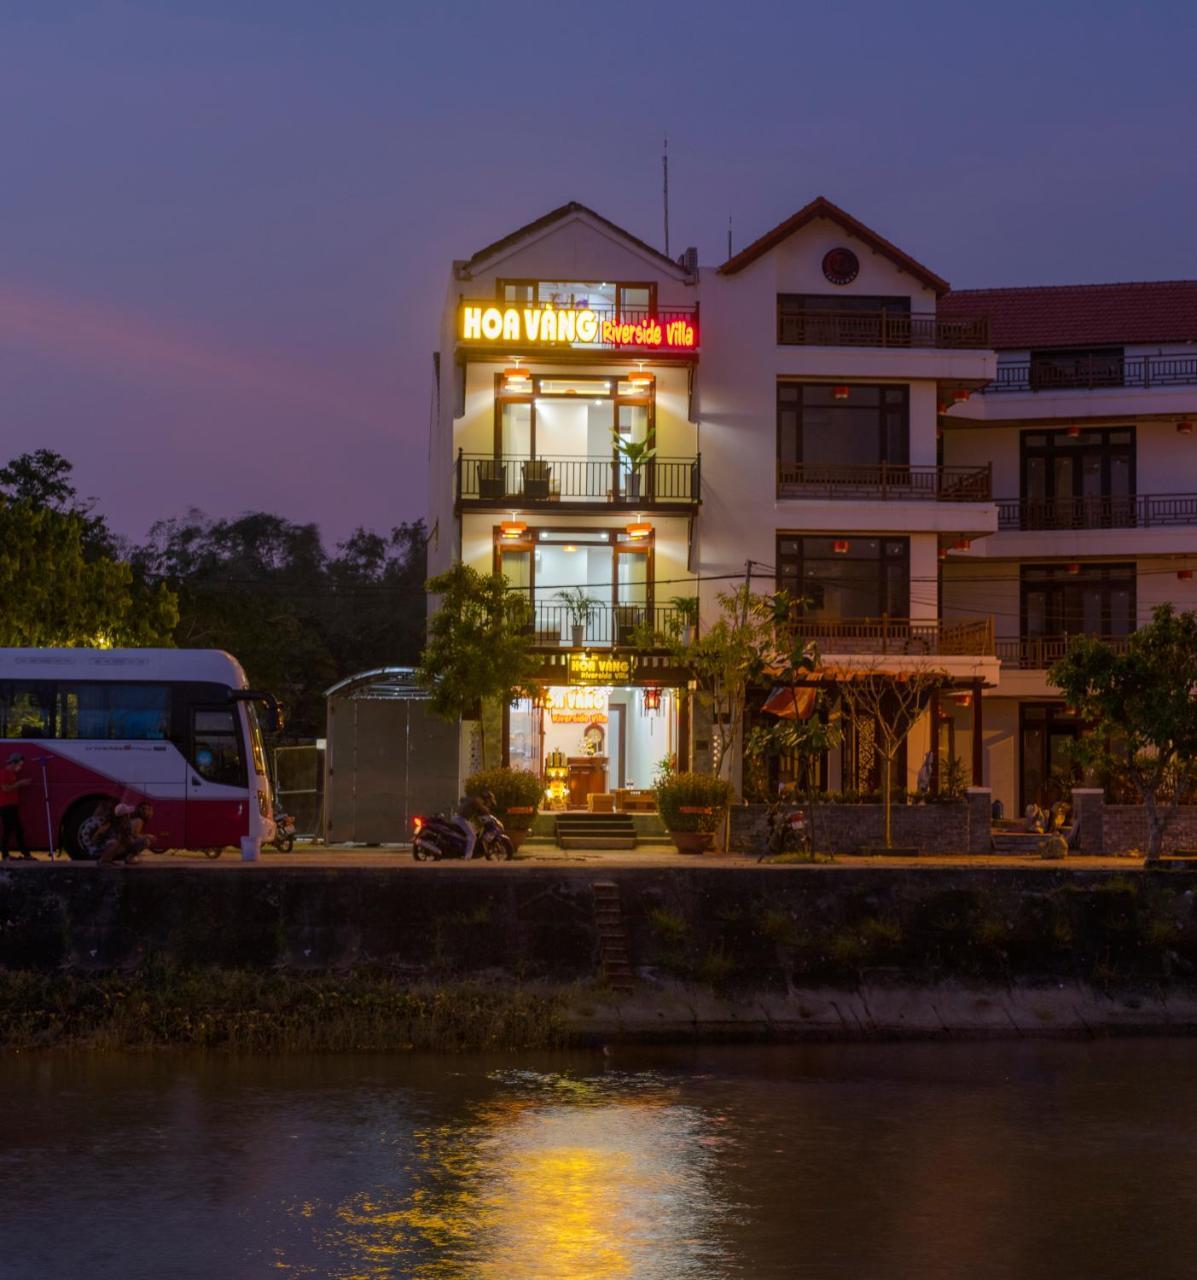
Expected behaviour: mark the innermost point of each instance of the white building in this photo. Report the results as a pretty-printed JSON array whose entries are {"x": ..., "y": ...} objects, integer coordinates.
[{"x": 826, "y": 417}]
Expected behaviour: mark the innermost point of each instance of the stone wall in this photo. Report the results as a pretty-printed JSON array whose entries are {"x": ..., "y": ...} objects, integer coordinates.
[
  {"x": 850, "y": 828},
  {"x": 1124, "y": 827}
]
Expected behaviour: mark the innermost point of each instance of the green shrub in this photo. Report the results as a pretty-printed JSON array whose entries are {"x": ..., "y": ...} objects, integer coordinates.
[
  {"x": 513, "y": 789},
  {"x": 697, "y": 791},
  {"x": 1053, "y": 847}
]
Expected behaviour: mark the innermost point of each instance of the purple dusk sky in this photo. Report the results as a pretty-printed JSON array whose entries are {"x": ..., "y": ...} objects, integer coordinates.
[{"x": 227, "y": 224}]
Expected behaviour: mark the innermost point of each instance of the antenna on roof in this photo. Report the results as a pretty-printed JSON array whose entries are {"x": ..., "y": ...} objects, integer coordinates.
[
  {"x": 665, "y": 172},
  {"x": 729, "y": 248}
]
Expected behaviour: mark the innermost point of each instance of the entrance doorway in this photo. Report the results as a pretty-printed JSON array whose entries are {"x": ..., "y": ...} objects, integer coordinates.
[{"x": 1046, "y": 735}]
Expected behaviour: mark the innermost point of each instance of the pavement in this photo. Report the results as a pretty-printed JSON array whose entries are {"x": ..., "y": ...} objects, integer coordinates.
[{"x": 398, "y": 857}]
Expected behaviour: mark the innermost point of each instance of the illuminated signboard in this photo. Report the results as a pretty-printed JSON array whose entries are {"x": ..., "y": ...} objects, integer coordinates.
[
  {"x": 601, "y": 668},
  {"x": 550, "y": 326},
  {"x": 577, "y": 706}
]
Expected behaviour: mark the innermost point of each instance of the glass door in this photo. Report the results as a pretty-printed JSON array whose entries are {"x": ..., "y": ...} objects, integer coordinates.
[{"x": 632, "y": 588}]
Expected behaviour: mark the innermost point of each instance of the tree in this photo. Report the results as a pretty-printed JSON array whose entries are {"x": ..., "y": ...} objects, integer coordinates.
[
  {"x": 1140, "y": 710},
  {"x": 55, "y": 594},
  {"x": 892, "y": 702},
  {"x": 42, "y": 479},
  {"x": 479, "y": 645}
]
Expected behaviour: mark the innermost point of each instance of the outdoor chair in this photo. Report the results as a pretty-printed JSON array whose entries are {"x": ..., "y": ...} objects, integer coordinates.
[
  {"x": 492, "y": 479},
  {"x": 537, "y": 477},
  {"x": 627, "y": 618}
]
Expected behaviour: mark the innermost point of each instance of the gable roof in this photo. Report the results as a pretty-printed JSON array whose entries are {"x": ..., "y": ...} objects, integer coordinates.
[
  {"x": 1080, "y": 315},
  {"x": 821, "y": 207},
  {"x": 559, "y": 215}
]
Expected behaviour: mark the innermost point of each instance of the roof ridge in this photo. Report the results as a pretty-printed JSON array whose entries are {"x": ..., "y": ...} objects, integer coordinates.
[{"x": 1060, "y": 288}]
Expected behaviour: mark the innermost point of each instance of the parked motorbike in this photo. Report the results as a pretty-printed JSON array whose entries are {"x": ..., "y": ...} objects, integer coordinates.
[
  {"x": 437, "y": 838},
  {"x": 284, "y": 832}
]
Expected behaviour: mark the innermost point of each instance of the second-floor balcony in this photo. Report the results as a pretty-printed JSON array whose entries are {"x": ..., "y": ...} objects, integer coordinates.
[
  {"x": 1089, "y": 373},
  {"x": 1109, "y": 511},
  {"x": 818, "y": 327},
  {"x": 883, "y": 481},
  {"x": 607, "y": 626},
  {"x": 1038, "y": 653},
  {"x": 968, "y": 637},
  {"x": 556, "y": 482}
]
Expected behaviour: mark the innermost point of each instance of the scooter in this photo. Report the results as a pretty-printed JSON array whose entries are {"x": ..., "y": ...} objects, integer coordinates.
[
  {"x": 437, "y": 838},
  {"x": 284, "y": 832}
]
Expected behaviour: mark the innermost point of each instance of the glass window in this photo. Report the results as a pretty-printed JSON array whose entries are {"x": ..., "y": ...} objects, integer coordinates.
[
  {"x": 26, "y": 710},
  {"x": 114, "y": 711},
  {"x": 1078, "y": 479},
  {"x": 1097, "y": 599},
  {"x": 837, "y": 578},
  {"x": 216, "y": 746},
  {"x": 836, "y": 425},
  {"x": 257, "y": 746}
]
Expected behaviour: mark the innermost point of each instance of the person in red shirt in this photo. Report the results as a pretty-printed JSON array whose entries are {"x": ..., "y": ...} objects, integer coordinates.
[{"x": 13, "y": 781}]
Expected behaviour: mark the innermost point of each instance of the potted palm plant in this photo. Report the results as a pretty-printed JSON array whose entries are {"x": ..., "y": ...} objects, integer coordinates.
[
  {"x": 580, "y": 608},
  {"x": 637, "y": 454},
  {"x": 685, "y": 609}
]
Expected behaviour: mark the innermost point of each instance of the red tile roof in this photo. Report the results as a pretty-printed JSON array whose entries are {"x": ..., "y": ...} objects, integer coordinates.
[
  {"x": 1080, "y": 315},
  {"x": 821, "y": 207}
]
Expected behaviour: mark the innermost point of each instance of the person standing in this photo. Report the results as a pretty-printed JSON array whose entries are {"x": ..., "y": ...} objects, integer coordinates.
[{"x": 13, "y": 780}]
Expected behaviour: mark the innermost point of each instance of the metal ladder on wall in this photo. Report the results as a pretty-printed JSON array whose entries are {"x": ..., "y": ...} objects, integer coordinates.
[{"x": 614, "y": 959}]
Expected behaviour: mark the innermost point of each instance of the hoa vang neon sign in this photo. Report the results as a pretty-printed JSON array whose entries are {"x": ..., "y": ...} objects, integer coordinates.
[{"x": 552, "y": 326}]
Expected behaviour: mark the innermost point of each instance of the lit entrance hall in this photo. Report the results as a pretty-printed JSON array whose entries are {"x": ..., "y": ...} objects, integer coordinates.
[{"x": 597, "y": 747}]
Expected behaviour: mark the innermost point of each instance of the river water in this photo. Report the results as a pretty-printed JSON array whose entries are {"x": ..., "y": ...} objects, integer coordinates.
[{"x": 1046, "y": 1159}]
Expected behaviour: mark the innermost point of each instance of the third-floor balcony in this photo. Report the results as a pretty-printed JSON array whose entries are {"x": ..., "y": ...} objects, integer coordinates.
[
  {"x": 1088, "y": 373},
  {"x": 1127, "y": 511},
  {"x": 883, "y": 636},
  {"x": 1038, "y": 653},
  {"x": 569, "y": 481},
  {"x": 883, "y": 481},
  {"x": 820, "y": 327}
]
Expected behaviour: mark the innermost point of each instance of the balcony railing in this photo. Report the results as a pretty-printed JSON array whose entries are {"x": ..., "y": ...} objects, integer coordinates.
[
  {"x": 515, "y": 480},
  {"x": 608, "y": 626},
  {"x": 1037, "y": 653},
  {"x": 1091, "y": 373},
  {"x": 811, "y": 327},
  {"x": 1130, "y": 511},
  {"x": 885, "y": 635},
  {"x": 884, "y": 480}
]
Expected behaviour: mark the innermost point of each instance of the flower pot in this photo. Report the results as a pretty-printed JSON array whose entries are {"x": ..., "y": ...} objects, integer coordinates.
[
  {"x": 517, "y": 838},
  {"x": 633, "y": 482},
  {"x": 579, "y": 635},
  {"x": 692, "y": 841}
]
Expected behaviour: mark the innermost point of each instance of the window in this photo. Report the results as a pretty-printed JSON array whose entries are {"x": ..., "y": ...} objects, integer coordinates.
[
  {"x": 627, "y": 301},
  {"x": 818, "y": 319},
  {"x": 1077, "y": 367},
  {"x": 216, "y": 746},
  {"x": 1096, "y": 600},
  {"x": 26, "y": 709},
  {"x": 835, "y": 578},
  {"x": 107, "y": 711},
  {"x": 1084, "y": 480},
  {"x": 819, "y": 426}
]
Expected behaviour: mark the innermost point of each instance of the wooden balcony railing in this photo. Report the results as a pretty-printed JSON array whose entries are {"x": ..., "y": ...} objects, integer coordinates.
[
  {"x": 1130, "y": 511},
  {"x": 516, "y": 480},
  {"x": 885, "y": 635},
  {"x": 609, "y": 626},
  {"x": 884, "y": 480},
  {"x": 1037, "y": 653},
  {"x": 1091, "y": 373},
  {"x": 809, "y": 327}
]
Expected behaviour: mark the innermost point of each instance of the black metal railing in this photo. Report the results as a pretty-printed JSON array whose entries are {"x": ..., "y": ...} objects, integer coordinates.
[
  {"x": 664, "y": 329},
  {"x": 515, "y": 480},
  {"x": 1037, "y": 653},
  {"x": 1091, "y": 373},
  {"x": 556, "y": 626},
  {"x": 884, "y": 480},
  {"x": 886, "y": 635},
  {"x": 810, "y": 326},
  {"x": 1128, "y": 511}
]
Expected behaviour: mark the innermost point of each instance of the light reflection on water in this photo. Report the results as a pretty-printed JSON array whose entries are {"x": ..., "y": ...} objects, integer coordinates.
[
  {"x": 605, "y": 1176},
  {"x": 1037, "y": 1161}
]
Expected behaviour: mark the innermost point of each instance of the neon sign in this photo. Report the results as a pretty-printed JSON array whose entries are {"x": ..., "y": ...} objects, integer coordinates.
[{"x": 543, "y": 326}]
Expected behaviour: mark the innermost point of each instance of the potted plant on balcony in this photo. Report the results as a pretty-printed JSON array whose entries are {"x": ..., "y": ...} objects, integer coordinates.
[
  {"x": 693, "y": 807},
  {"x": 517, "y": 798},
  {"x": 685, "y": 610},
  {"x": 580, "y": 608},
  {"x": 637, "y": 454}
]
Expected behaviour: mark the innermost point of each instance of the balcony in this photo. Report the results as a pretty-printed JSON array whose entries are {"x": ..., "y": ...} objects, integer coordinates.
[
  {"x": 885, "y": 481},
  {"x": 608, "y": 627},
  {"x": 1089, "y": 374},
  {"x": 1037, "y": 653},
  {"x": 886, "y": 636},
  {"x": 1130, "y": 511},
  {"x": 810, "y": 327},
  {"x": 576, "y": 484}
]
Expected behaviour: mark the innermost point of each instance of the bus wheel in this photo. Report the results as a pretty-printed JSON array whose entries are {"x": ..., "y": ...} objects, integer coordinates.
[{"x": 68, "y": 832}]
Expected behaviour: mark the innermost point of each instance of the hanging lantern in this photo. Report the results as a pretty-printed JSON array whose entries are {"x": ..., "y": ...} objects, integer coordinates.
[
  {"x": 651, "y": 701},
  {"x": 959, "y": 396},
  {"x": 1184, "y": 428},
  {"x": 1074, "y": 433},
  {"x": 962, "y": 544},
  {"x": 638, "y": 528},
  {"x": 943, "y": 553},
  {"x": 840, "y": 392},
  {"x": 516, "y": 379},
  {"x": 841, "y": 546},
  {"x": 1072, "y": 568},
  {"x": 512, "y": 529},
  {"x": 640, "y": 380},
  {"x": 963, "y": 699},
  {"x": 1185, "y": 575}
]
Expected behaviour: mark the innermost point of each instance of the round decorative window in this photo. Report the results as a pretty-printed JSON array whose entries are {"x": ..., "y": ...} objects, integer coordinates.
[{"x": 841, "y": 266}]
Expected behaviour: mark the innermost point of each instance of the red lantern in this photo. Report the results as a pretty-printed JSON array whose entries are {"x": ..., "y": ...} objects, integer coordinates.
[
  {"x": 1185, "y": 575},
  {"x": 1072, "y": 568},
  {"x": 1074, "y": 433},
  {"x": 959, "y": 396},
  {"x": 841, "y": 546},
  {"x": 840, "y": 392},
  {"x": 652, "y": 700},
  {"x": 1184, "y": 428}
]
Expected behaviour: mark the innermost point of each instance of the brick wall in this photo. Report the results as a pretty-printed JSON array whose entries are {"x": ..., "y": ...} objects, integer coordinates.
[
  {"x": 1124, "y": 827},
  {"x": 847, "y": 828}
]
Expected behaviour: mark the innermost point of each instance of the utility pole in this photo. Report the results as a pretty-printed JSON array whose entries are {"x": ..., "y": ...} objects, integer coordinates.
[{"x": 665, "y": 173}]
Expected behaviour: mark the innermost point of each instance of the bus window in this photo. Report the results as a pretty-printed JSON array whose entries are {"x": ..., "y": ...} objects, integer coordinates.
[
  {"x": 216, "y": 747},
  {"x": 132, "y": 711},
  {"x": 26, "y": 710}
]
